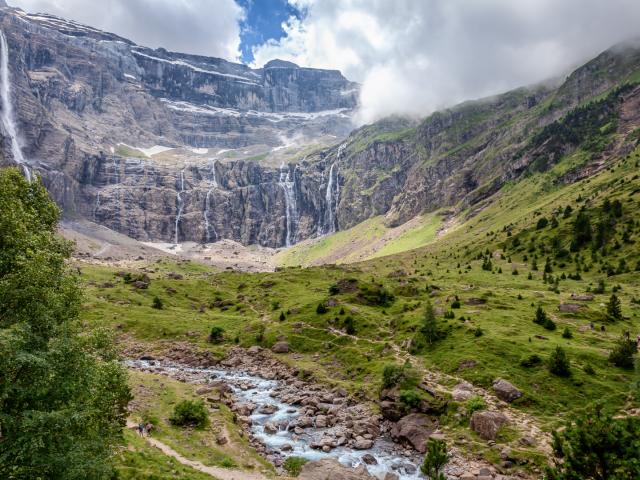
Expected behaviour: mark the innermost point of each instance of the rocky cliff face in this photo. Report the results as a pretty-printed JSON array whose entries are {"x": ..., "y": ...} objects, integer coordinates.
[
  {"x": 89, "y": 105},
  {"x": 171, "y": 147}
]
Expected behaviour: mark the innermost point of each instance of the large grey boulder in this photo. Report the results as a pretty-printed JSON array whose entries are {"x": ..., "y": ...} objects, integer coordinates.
[
  {"x": 414, "y": 429},
  {"x": 505, "y": 390},
  {"x": 280, "y": 347},
  {"x": 487, "y": 424},
  {"x": 331, "y": 469}
]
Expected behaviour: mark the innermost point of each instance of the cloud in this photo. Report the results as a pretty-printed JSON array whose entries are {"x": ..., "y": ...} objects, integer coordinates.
[
  {"x": 415, "y": 56},
  {"x": 206, "y": 27}
]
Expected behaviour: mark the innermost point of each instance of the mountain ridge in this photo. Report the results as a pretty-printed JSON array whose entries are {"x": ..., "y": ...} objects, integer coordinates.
[{"x": 270, "y": 176}]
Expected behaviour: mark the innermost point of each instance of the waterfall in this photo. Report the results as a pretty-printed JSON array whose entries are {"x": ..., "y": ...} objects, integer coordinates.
[
  {"x": 331, "y": 199},
  {"x": 95, "y": 209},
  {"x": 207, "y": 224},
  {"x": 180, "y": 207},
  {"x": 8, "y": 120},
  {"x": 291, "y": 209}
]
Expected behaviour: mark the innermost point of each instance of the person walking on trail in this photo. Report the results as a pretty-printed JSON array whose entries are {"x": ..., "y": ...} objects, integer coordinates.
[
  {"x": 149, "y": 427},
  {"x": 141, "y": 429}
]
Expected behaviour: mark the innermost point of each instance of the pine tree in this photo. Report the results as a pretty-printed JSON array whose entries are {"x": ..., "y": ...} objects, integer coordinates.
[
  {"x": 597, "y": 446},
  {"x": 541, "y": 316},
  {"x": 558, "y": 363},
  {"x": 435, "y": 460},
  {"x": 429, "y": 329},
  {"x": 614, "y": 308}
]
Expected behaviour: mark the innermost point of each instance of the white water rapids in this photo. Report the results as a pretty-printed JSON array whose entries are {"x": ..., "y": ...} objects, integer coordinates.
[
  {"x": 8, "y": 119},
  {"x": 250, "y": 388}
]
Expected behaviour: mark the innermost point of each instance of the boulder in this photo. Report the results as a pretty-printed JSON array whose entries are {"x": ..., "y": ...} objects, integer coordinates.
[
  {"x": 586, "y": 297},
  {"x": 414, "y": 429},
  {"x": 487, "y": 424},
  {"x": 362, "y": 443},
  {"x": 569, "y": 307},
  {"x": 462, "y": 391},
  {"x": 268, "y": 409},
  {"x": 331, "y": 469},
  {"x": 505, "y": 390},
  {"x": 369, "y": 459},
  {"x": 270, "y": 428},
  {"x": 280, "y": 347}
]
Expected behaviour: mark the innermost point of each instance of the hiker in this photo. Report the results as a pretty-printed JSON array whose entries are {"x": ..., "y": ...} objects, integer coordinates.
[
  {"x": 638, "y": 341},
  {"x": 141, "y": 429},
  {"x": 149, "y": 427}
]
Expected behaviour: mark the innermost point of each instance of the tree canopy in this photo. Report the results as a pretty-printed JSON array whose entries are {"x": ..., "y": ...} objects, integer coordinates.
[{"x": 63, "y": 392}]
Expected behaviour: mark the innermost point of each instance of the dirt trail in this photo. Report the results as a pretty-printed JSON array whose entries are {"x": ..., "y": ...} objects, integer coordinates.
[{"x": 215, "y": 472}]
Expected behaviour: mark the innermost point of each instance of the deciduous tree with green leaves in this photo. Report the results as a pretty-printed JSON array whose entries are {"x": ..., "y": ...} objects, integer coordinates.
[{"x": 63, "y": 392}]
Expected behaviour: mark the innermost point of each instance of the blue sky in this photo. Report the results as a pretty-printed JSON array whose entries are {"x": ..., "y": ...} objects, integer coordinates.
[{"x": 263, "y": 22}]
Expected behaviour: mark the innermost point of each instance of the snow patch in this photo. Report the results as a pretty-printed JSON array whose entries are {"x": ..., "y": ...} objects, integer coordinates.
[
  {"x": 182, "y": 63},
  {"x": 149, "y": 152},
  {"x": 171, "y": 248}
]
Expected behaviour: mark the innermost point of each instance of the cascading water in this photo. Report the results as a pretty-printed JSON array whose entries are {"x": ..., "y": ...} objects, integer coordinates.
[
  {"x": 262, "y": 392},
  {"x": 97, "y": 206},
  {"x": 208, "y": 227},
  {"x": 8, "y": 119},
  {"x": 331, "y": 199},
  {"x": 291, "y": 208},
  {"x": 180, "y": 207}
]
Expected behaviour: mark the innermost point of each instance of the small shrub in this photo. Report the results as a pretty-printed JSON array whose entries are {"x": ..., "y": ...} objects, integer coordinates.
[
  {"x": 455, "y": 304},
  {"x": 157, "y": 303},
  {"x": 410, "y": 399},
  {"x": 567, "y": 333},
  {"x": 478, "y": 332},
  {"x": 293, "y": 465},
  {"x": 190, "y": 413},
  {"x": 321, "y": 308},
  {"x": 475, "y": 404},
  {"x": 216, "y": 335},
  {"x": 531, "y": 361},
  {"x": 623, "y": 352},
  {"x": 349, "y": 326},
  {"x": 549, "y": 324},
  {"x": 588, "y": 369},
  {"x": 542, "y": 223},
  {"x": 401, "y": 376}
]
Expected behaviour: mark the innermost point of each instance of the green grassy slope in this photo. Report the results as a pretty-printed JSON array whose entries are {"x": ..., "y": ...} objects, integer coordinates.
[
  {"x": 369, "y": 239},
  {"x": 501, "y": 304}
]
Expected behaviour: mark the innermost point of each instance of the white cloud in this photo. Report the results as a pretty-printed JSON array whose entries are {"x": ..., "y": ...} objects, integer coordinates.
[
  {"x": 206, "y": 27},
  {"x": 414, "y": 56}
]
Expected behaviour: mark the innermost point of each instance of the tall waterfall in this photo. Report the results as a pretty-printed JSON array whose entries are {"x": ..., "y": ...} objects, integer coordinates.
[
  {"x": 208, "y": 227},
  {"x": 97, "y": 206},
  {"x": 8, "y": 120},
  {"x": 180, "y": 208},
  {"x": 331, "y": 199},
  {"x": 291, "y": 208}
]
